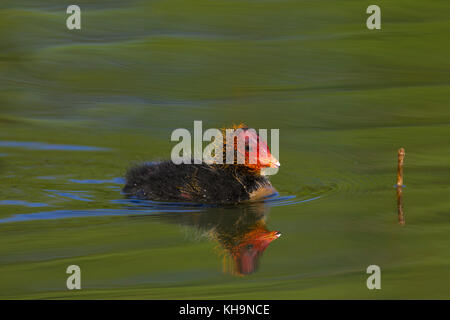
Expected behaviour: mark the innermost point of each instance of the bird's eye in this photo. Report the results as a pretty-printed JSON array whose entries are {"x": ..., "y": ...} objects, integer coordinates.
[{"x": 249, "y": 246}]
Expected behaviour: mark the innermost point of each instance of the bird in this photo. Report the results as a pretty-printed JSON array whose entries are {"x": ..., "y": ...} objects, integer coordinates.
[{"x": 205, "y": 182}]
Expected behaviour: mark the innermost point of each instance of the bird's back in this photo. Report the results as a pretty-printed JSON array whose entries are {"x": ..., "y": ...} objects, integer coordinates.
[{"x": 166, "y": 181}]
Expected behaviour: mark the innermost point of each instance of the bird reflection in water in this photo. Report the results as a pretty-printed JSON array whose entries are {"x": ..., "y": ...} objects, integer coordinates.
[{"x": 240, "y": 232}]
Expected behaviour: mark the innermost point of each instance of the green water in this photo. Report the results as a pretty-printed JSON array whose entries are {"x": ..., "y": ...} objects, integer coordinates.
[{"x": 344, "y": 98}]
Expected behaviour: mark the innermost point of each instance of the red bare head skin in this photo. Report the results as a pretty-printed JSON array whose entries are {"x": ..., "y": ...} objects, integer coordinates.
[{"x": 253, "y": 148}]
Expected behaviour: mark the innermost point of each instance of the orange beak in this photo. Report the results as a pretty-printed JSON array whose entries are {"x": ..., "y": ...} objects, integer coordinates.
[
  {"x": 271, "y": 162},
  {"x": 272, "y": 235}
]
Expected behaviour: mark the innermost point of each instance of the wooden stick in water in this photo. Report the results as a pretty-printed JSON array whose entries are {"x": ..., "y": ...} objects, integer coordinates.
[{"x": 401, "y": 157}]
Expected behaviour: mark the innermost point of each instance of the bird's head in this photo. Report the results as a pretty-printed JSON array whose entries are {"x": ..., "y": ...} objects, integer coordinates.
[{"x": 251, "y": 148}]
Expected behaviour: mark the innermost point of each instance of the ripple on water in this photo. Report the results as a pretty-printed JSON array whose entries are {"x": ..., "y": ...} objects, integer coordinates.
[
  {"x": 48, "y": 146},
  {"x": 133, "y": 207},
  {"x": 22, "y": 203},
  {"x": 287, "y": 200},
  {"x": 74, "y": 195}
]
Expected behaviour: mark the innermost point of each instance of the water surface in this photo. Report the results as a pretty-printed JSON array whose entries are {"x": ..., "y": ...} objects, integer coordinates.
[{"x": 78, "y": 107}]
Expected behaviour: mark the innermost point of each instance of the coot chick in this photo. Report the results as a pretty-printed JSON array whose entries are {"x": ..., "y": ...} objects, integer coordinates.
[{"x": 207, "y": 182}]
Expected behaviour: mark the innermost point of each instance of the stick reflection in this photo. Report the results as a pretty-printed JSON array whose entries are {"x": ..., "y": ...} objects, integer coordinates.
[
  {"x": 401, "y": 215},
  {"x": 400, "y": 158}
]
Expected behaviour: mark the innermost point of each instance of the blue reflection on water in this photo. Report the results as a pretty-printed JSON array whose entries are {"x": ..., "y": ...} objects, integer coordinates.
[
  {"x": 22, "y": 203},
  {"x": 94, "y": 181},
  {"x": 62, "y": 214}
]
